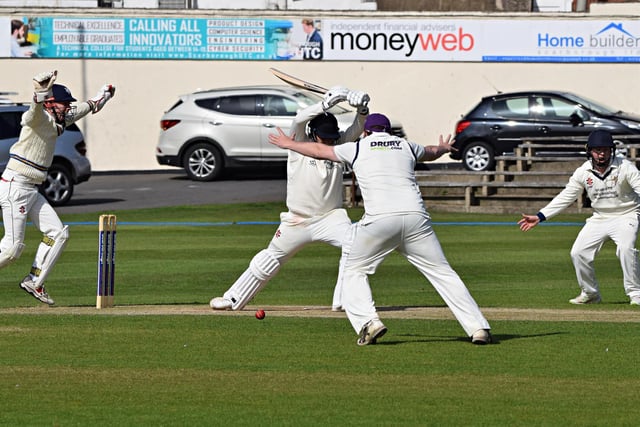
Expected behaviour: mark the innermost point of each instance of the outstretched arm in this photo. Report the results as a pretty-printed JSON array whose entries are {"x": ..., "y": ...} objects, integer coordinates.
[
  {"x": 433, "y": 152},
  {"x": 311, "y": 149},
  {"x": 528, "y": 222},
  {"x": 97, "y": 102}
]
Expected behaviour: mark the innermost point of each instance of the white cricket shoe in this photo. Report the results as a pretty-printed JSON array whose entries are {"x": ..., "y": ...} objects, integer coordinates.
[
  {"x": 635, "y": 300},
  {"x": 37, "y": 292},
  {"x": 336, "y": 308},
  {"x": 586, "y": 299},
  {"x": 371, "y": 331},
  {"x": 220, "y": 303},
  {"x": 481, "y": 337}
]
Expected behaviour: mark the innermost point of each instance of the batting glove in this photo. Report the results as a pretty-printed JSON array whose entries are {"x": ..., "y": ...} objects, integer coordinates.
[
  {"x": 43, "y": 84},
  {"x": 333, "y": 96},
  {"x": 357, "y": 98},
  {"x": 97, "y": 102}
]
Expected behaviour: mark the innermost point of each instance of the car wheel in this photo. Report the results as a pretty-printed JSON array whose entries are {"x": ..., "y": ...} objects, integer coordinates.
[
  {"x": 478, "y": 156},
  {"x": 58, "y": 187},
  {"x": 203, "y": 162}
]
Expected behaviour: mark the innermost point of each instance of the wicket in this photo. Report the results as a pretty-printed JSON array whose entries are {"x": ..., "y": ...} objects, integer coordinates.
[{"x": 106, "y": 260}]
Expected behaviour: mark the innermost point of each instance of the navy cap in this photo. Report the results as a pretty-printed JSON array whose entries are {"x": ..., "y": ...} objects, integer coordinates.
[
  {"x": 600, "y": 138},
  {"x": 61, "y": 94},
  {"x": 325, "y": 126}
]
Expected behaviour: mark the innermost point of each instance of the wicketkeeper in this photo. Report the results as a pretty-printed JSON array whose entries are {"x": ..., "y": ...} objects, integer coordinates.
[
  {"x": 314, "y": 199},
  {"x": 29, "y": 159}
]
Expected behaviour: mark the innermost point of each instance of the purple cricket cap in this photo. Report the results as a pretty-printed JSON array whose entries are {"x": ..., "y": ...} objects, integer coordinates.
[{"x": 377, "y": 122}]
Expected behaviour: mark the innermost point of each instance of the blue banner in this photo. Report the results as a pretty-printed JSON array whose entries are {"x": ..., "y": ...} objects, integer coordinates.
[{"x": 161, "y": 38}]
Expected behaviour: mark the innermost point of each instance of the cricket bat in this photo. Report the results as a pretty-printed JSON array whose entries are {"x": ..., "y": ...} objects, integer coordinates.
[{"x": 294, "y": 81}]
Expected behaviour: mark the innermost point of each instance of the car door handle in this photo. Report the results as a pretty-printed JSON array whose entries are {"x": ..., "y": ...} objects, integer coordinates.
[
  {"x": 215, "y": 123},
  {"x": 543, "y": 129},
  {"x": 269, "y": 125},
  {"x": 496, "y": 127}
]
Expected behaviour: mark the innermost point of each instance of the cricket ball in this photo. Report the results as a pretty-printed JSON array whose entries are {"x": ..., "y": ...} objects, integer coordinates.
[{"x": 260, "y": 314}]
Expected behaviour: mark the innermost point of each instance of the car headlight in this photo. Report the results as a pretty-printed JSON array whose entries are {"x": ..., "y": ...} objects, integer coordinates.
[{"x": 630, "y": 124}]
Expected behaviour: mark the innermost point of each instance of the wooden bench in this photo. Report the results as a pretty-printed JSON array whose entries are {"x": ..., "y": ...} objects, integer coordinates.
[
  {"x": 530, "y": 148},
  {"x": 522, "y": 162},
  {"x": 498, "y": 175},
  {"x": 470, "y": 188},
  {"x": 632, "y": 151}
]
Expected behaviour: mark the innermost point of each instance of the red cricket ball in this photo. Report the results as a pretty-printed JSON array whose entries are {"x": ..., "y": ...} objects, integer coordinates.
[{"x": 260, "y": 314}]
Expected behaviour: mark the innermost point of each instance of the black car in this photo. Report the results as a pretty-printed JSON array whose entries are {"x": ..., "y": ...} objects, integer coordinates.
[
  {"x": 70, "y": 165},
  {"x": 499, "y": 123}
]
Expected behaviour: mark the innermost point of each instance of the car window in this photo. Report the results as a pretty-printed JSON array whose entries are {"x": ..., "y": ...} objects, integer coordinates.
[
  {"x": 536, "y": 107},
  {"x": 307, "y": 98},
  {"x": 511, "y": 108},
  {"x": 10, "y": 124},
  {"x": 278, "y": 106},
  {"x": 244, "y": 105},
  {"x": 558, "y": 108},
  {"x": 592, "y": 105}
]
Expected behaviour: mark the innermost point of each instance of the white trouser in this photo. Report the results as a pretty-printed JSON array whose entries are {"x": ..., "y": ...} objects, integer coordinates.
[
  {"x": 331, "y": 228},
  {"x": 413, "y": 236},
  {"x": 623, "y": 231},
  {"x": 346, "y": 248},
  {"x": 21, "y": 202}
]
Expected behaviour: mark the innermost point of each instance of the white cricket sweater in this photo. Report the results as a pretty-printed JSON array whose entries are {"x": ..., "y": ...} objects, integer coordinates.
[
  {"x": 615, "y": 193},
  {"x": 314, "y": 187},
  {"x": 32, "y": 154}
]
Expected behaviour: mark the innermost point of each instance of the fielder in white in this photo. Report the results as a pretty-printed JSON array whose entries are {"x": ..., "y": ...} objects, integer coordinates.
[
  {"x": 613, "y": 186},
  {"x": 314, "y": 199},
  {"x": 29, "y": 159},
  {"x": 395, "y": 218}
]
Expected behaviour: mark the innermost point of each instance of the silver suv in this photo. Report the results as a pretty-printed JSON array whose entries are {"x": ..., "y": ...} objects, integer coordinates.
[
  {"x": 70, "y": 165},
  {"x": 208, "y": 131}
]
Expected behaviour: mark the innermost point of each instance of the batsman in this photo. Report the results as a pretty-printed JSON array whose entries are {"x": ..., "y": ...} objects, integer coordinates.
[
  {"x": 49, "y": 114},
  {"x": 314, "y": 200}
]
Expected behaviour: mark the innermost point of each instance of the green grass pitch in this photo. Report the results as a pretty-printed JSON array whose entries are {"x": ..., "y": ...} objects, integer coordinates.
[{"x": 58, "y": 368}]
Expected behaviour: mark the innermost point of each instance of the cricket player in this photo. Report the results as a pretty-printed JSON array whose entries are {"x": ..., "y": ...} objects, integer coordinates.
[
  {"x": 395, "y": 218},
  {"x": 314, "y": 199},
  {"x": 613, "y": 186},
  {"x": 29, "y": 159}
]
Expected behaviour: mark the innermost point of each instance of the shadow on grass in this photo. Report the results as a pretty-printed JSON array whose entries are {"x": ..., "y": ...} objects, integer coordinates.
[{"x": 497, "y": 339}]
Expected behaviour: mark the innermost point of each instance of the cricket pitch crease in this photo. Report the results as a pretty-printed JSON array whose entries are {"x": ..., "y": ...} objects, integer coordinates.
[{"x": 386, "y": 312}]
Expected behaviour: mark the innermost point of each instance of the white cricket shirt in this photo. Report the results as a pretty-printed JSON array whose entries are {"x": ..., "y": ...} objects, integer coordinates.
[
  {"x": 384, "y": 165},
  {"x": 616, "y": 192}
]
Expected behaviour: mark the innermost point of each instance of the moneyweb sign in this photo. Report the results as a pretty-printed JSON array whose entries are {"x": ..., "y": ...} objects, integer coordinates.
[
  {"x": 463, "y": 39},
  {"x": 482, "y": 40}
]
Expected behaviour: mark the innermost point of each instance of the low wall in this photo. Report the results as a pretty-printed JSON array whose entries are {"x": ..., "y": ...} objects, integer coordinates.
[{"x": 428, "y": 98}]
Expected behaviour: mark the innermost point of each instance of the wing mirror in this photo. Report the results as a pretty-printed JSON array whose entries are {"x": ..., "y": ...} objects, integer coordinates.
[{"x": 576, "y": 120}]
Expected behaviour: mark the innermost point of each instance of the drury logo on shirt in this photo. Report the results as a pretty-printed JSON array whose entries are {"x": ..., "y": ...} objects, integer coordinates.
[{"x": 385, "y": 145}]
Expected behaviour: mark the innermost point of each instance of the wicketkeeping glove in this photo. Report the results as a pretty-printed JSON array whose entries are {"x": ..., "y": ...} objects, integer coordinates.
[
  {"x": 333, "y": 96},
  {"x": 42, "y": 84},
  {"x": 357, "y": 98},
  {"x": 97, "y": 102}
]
